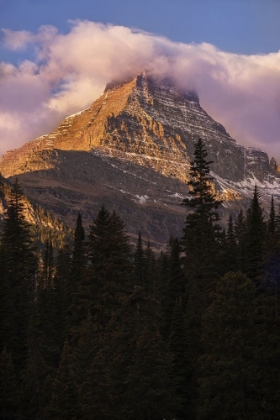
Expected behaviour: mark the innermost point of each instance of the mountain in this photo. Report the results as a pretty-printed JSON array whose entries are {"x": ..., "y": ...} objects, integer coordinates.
[{"x": 131, "y": 151}]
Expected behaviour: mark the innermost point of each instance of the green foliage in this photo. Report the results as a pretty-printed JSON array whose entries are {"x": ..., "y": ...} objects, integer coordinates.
[
  {"x": 229, "y": 370},
  {"x": 101, "y": 331},
  {"x": 255, "y": 238},
  {"x": 175, "y": 283},
  {"x": 179, "y": 344},
  {"x": 240, "y": 335},
  {"x": 18, "y": 268}
]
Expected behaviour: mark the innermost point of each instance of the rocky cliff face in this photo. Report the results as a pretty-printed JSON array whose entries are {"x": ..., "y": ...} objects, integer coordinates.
[{"x": 132, "y": 149}]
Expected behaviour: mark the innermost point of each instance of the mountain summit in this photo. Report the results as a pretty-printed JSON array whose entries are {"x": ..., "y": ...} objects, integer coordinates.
[{"x": 131, "y": 150}]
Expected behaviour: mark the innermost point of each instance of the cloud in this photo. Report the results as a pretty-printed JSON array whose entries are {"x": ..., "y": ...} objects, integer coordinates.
[{"x": 71, "y": 70}]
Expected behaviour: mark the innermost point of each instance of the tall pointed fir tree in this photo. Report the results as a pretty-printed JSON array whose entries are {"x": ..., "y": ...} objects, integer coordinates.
[
  {"x": 272, "y": 254},
  {"x": 272, "y": 218},
  {"x": 239, "y": 371},
  {"x": 200, "y": 245},
  {"x": 18, "y": 268},
  {"x": 230, "y": 251},
  {"x": 77, "y": 288},
  {"x": 179, "y": 345},
  {"x": 45, "y": 339},
  {"x": 255, "y": 238},
  {"x": 175, "y": 284},
  {"x": 110, "y": 271},
  {"x": 199, "y": 242},
  {"x": 240, "y": 236},
  {"x": 139, "y": 262},
  {"x": 97, "y": 370}
]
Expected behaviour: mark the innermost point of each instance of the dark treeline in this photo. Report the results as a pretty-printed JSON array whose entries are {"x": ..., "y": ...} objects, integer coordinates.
[{"x": 104, "y": 330}]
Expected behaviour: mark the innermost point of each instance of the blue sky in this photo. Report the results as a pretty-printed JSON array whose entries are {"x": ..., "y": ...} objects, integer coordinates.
[
  {"x": 240, "y": 26},
  {"x": 228, "y": 50}
]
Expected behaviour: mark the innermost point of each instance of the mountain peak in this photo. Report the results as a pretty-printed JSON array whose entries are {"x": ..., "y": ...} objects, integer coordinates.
[{"x": 131, "y": 149}]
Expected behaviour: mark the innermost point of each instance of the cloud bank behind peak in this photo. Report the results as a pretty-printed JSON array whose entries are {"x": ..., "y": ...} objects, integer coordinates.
[{"x": 69, "y": 71}]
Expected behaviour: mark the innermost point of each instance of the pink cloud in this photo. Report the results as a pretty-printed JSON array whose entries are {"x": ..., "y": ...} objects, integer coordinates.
[{"x": 71, "y": 71}]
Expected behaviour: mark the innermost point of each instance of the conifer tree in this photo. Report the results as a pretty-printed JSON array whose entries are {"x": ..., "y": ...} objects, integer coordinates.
[
  {"x": 239, "y": 372},
  {"x": 96, "y": 346},
  {"x": 229, "y": 370},
  {"x": 175, "y": 288},
  {"x": 231, "y": 259},
  {"x": 201, "y": 247},
  {"x": 272, "y": 218},
  {"x": 77, "y": 287},
  {"x": 200, "y": 232},
  {"x": 179, "y": 344},
  {"x": 203, "y": 200},
  {"x": 45, "y": 339},
  {"x": 139, "y": 262},
  {"x": 64, "y": 404},
  {"x": 255, "y": 237},
  {"x": 17, "y": 278},
  {"x": 48, "y": 264},
  {"x": 110, "y": 266},
  {"x": 272, "y": 254}
]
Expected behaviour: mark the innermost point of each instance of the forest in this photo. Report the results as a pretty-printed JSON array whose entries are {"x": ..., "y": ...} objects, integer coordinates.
[{"x": 100, "y": 329}]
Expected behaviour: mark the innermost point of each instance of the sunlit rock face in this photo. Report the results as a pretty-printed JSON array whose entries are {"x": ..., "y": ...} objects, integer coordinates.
[{"x": 131, "y": 150}]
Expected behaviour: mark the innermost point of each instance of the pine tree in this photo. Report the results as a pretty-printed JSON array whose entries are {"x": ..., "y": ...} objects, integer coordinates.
[
  {"x": 77, "y": 287},
  {"x": 272, "y": 218},
  {"x": 229, "y": 370},
  {"x": 110, "y": 266},
  {"x": 239, "y": 372},
  {"x": 255, "y": 237},
  {"x": 240, "y": 235},
  {"x": 175, "y": 288},
  {"x": 94, "y": 352},
  {"x": 19, "y": 265},
  {"x": 201, "y": 247},
  {"x": 179, "y": 345},
  {"x": 45, "y": 339},
  {"x": 200, "y": 232},
  {"x": 231, "y": 259},
  {"x": 203, "y": 200},
  {"x": 139, "y": 262},
  {"x": 64, "y": 404},
  {"x": 48, "y": 264}
]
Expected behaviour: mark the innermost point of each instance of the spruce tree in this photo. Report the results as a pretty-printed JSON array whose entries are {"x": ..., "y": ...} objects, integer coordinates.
[
  {"x": 77, "y": 287},
  {"x": 272, "y": 218},
  {"x": 239, "y": 372},
  {"x": 199, "y": 241},
  {"x": 176, "y": 283},
  {"x": 229, "y": 370},
  {"x": 201, "y": 248},
  {"x": 240, "y": 236},
  {"x": 179, "y": 345},
  {"x": 230, "y": 252},
  {"x": 139, "y": 262},
  {"x": 255, "y": 238},
  {"x": 19, "y": 266},
  {"x": 64, "y": 404}
]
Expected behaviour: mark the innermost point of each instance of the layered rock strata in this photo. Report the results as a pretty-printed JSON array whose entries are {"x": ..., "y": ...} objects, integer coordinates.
[{"x": 132, "y": 149}]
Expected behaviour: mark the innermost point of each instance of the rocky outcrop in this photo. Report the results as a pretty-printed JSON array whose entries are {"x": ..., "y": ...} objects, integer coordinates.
[
  {"x": 132, "y": 150},
  {"x": 151, "y": 124}
]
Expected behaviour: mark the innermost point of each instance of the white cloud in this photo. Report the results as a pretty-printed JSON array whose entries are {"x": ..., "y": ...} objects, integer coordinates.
[{"x": 71, "y": 70}]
